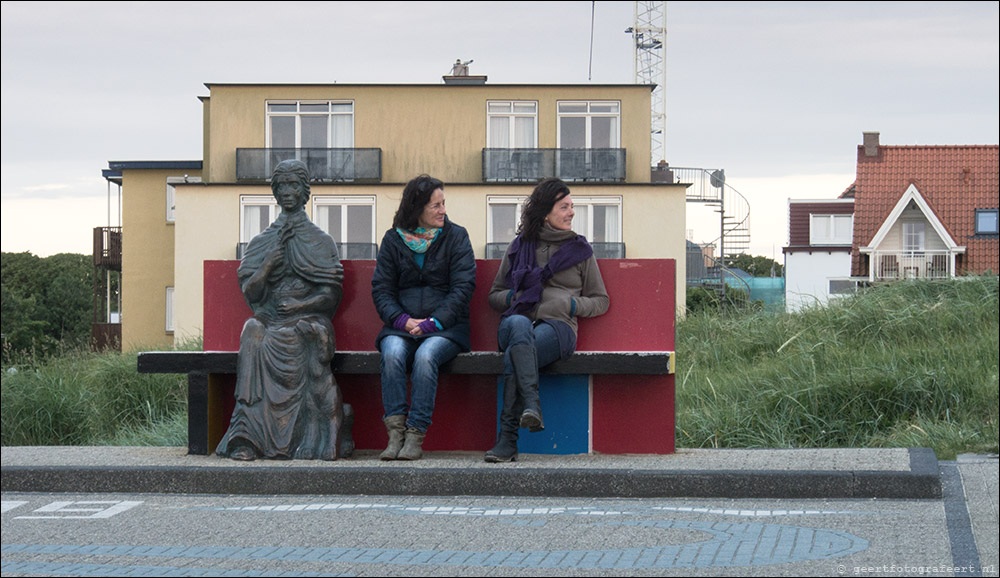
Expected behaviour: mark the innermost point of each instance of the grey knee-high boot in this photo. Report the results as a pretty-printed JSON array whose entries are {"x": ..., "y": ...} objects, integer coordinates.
[
  {"x": 525, "y": 361},
  {"x": 505, "y": 449},
  {"x": 395, "y": 425}
]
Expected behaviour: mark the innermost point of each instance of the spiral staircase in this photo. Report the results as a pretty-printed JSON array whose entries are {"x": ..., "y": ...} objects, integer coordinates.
[{"x": 708, "y": 186}]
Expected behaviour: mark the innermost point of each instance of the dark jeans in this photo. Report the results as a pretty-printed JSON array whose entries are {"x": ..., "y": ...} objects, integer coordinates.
[{"x": 518, "y": 329}]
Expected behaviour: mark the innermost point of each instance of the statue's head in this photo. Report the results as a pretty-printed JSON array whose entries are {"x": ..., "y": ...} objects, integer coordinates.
[{"x": 290, "y": 184}]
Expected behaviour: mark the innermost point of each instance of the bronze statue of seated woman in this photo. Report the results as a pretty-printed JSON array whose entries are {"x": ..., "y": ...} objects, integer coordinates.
[{"x": 288, "y": 404}]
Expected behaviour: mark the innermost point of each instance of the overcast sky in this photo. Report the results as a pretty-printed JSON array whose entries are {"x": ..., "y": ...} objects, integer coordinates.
[{"x": 777, "y": 93}]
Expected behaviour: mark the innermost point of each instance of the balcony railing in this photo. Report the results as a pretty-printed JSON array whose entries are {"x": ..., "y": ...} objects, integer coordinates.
[
  {"x": 108, "y": 248},
  {"x": 325, "y": 165},
  {"x": 533, "y": 165},
  {"x": 890, "y": 265},
  {"x": 601, "y": 250},
  {"x": 105, "y": 336},
  {"x": 346, "y": 251}
]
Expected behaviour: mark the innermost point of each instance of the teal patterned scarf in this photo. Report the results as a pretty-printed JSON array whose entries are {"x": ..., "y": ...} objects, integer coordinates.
[{"x": 419, "y": 239}]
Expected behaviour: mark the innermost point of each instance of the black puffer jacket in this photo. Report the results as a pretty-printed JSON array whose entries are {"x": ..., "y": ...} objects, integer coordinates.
[{"x": 442, "y": 289}]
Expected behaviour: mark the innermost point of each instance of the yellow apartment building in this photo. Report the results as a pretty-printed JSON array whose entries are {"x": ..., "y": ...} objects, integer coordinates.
[{"x": 362, "y": 142}]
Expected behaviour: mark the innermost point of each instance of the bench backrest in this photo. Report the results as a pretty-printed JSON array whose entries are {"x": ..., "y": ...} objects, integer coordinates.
[{"x": 641, "y": 316}]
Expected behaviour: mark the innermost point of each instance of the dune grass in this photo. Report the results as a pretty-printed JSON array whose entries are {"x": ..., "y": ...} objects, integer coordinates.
[
  {"x": 909, "y": 364},
  {"x": 84, "y": 398}
]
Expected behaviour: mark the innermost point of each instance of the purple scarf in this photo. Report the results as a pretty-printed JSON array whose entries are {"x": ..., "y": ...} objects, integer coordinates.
[{"x": 526, "y": 278}]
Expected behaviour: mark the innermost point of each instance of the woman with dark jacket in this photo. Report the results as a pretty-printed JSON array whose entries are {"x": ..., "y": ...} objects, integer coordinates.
[
  {"x": 548, "y": 278},
  {"x": 425, "y": 274}
]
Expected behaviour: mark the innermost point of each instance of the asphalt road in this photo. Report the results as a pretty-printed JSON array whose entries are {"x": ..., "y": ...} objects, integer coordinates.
[{"x": 146, "y": 534}]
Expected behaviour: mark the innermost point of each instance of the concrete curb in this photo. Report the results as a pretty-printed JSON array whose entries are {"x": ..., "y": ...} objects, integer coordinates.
[{"x": 921, "y": 481}]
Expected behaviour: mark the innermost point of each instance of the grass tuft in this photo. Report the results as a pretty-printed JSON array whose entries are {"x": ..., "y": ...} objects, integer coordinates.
[{"x": 84, "y": 398}]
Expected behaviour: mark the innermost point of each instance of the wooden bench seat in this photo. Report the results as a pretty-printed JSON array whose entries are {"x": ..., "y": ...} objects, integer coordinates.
[{"x": 472, "y": 363}]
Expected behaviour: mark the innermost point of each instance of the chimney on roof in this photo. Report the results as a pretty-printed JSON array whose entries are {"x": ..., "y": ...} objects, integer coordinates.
[{"x": 870, "y": 143}]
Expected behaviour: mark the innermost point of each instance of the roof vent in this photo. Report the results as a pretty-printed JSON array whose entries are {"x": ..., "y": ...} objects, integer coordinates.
[{"x": 460, "y": 74}]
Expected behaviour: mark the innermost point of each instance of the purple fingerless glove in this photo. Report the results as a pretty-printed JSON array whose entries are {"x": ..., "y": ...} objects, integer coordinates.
[
  {"x": 400, "y": 322},
  {"x": 428, "y": 326}
]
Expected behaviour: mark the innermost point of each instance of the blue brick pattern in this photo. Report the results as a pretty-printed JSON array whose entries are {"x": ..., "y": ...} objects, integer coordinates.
[
  {"x": 731, "y": 544},
  {"x": 63, "y": 569}
]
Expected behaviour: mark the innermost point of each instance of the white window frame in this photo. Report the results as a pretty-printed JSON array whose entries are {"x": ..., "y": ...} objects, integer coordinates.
[
  {"x": 495, "y": 200},
  {"x": 298, "y": 113},
  {"x": 172, "y": 193},
  {"x": 914, "y": 236},
  {"x": 831, "y": 237},
  {"x": 171, "y": 201},
  {"x": 589, "y": 114},
  {"x": 587, "y": 229},
  {"x": 168, "y": 312},
  {"x": 256, "y": 201},
  {"x": 841, "y": 286},
  {"x": 511, "y": 115},
  {"x": 319, "y": 201}
]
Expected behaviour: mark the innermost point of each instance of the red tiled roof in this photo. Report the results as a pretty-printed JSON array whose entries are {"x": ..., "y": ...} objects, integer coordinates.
[
  {"x": 954, "y": 180},
  {"x": 848, "y": 192}
]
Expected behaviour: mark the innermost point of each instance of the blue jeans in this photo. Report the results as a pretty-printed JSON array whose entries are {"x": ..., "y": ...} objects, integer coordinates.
[
  {"x": 422, "y": 358},
  {"x": 518, "y": 329}
]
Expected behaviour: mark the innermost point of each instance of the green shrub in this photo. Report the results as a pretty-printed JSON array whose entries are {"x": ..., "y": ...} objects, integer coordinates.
[{"x": 708, "y": 300}]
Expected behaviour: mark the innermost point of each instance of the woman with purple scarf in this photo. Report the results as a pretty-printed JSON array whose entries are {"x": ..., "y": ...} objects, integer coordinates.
[{"x": 547, "y": 279}]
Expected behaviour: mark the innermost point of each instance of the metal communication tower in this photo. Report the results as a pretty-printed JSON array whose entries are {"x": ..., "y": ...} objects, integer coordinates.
[{"x": 649, "y": 31}]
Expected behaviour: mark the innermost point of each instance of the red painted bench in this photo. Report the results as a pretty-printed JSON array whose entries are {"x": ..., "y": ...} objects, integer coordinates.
[{"x": 621, "y": 377}]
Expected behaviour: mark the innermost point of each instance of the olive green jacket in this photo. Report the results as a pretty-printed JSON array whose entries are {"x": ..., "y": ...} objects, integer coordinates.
[{"x": 577, "y": 291}]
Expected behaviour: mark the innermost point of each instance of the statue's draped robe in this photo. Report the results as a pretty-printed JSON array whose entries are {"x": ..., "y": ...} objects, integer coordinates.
[{"x": 284, "y": 381}]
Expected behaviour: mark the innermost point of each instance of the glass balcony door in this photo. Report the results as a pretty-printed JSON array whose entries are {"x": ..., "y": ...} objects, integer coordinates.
[
  {"x": 584, "y": 129},
  {"x": 512, "y": 127},
  {"x": 308, "y": 131}
]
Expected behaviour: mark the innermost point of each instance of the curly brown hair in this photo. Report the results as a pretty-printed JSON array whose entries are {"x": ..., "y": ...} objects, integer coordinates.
[{"x": 545, "y": 196}]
